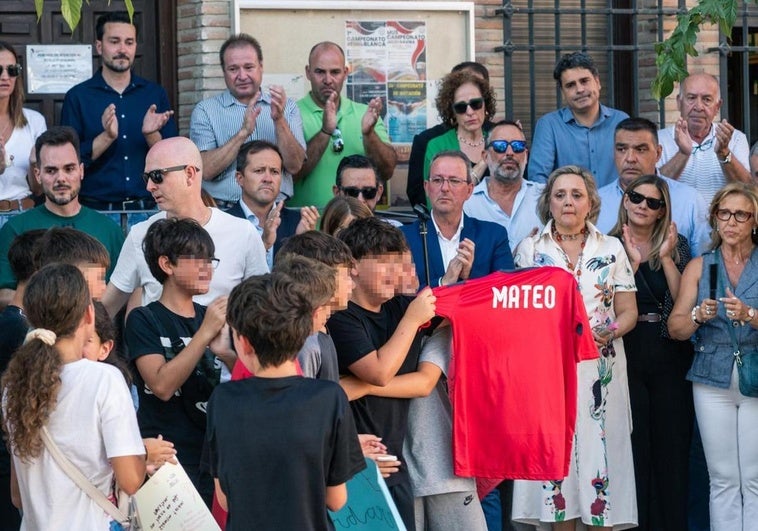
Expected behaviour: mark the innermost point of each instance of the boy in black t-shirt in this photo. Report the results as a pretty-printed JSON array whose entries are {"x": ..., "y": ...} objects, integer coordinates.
[
  {"x": 176, "y": 345},
  {"x": 300, "y": 443},
  {"x": 377, "y": 337}
]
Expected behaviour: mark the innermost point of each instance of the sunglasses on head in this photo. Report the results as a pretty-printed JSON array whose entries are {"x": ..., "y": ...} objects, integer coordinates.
[
  {"x": 353, "y": 191},
  {"x": 501, "y": 146},
  {"x": 337, "y": 143},
  {"x": 13, "y": 70},
  {"x": 652, "y": 203},
  {"x": 157, "y": 175},
  {"x": 475, "y": 103}
]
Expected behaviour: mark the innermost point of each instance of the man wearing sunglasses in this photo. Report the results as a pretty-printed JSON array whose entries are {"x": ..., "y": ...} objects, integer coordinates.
[
  {"x": 459, "y": 247},
  {"x": 358, "y": 177},
  {"x": 580, "y": 133},
  {"x": 698, "y": 151},
  {"x": 504, "y": 196},
  {"x": 118, "y": 116},
  {"x": 636, "y": 152},
  {"x": 173, "y": 176},
  {"x": 335, "y": 127}
]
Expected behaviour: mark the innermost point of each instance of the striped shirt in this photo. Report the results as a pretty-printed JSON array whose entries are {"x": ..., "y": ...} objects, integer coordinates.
[
  {"x": 216, "y": 120},
  {"x": 703, "y": 170}
]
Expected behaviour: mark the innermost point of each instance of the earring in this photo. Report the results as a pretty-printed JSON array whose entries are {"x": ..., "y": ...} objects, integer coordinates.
[{"x": 754, "y": 230}]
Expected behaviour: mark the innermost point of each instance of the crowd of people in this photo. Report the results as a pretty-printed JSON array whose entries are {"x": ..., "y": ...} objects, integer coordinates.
[{"x": 267, "y": 330}]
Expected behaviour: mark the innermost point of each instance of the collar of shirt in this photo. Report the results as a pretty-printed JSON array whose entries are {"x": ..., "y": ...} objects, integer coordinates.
[
  {"x": 483, "y": 189},
  {"x": 568, "y": 117},
  {"x": 99, "y": 81},
  {"x": 227, "y": 100},
  {"x": 448, "y": 248},
  {"x": 252, "y": 218}
]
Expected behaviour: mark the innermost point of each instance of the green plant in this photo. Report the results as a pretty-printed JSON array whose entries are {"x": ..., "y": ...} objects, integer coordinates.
[{"x": 72, "y": 10}]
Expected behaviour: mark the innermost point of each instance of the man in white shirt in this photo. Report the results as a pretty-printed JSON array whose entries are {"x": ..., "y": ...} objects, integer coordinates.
[
  {"x": 697, "y": 151},
  {"x": 173, "y": 175},
  {"x": 505, "y": 197},
  {"x": 636, "y": 151}
]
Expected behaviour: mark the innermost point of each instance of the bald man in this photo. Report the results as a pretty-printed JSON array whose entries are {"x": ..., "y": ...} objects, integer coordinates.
[
  {"x": 173, "y": 175},
  {"x": 698, "y": 151},
  {"x": 335, "y": 127}
]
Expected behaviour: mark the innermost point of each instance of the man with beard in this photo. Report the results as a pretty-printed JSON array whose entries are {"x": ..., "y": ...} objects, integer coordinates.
[
  {"x": 59, "y": 172},
  {"x": 504, "y": 196},
  {"x": 118, "y": 116}
]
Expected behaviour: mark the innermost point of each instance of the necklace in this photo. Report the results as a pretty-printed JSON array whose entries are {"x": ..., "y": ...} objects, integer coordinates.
[
  {"x": 574, "y": 268},
  {"x": 471, "y": 144}
]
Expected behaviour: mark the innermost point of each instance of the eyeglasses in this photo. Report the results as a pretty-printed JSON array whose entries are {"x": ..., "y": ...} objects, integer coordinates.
[
  {"x": 652, "y": 203},
  {"x": 368, "y": 192},
  {"x": 453, "y": 182},
  {"x": 213, "y": 261},
  {"x": 157, "y": 175},
  {"x": 461, "y": 106},
  {"x": 13, "y": 70},
  {"x": 704, "y": 146},
  {"x": 501, "y": 146},
  {"x": 740, "y": 215},
  {"x": 337, "y": 143}
]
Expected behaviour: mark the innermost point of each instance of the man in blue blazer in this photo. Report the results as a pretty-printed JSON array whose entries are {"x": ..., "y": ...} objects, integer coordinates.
[
  {"x": 259, "y": 174},
  {"x": 460, "y": 247}
]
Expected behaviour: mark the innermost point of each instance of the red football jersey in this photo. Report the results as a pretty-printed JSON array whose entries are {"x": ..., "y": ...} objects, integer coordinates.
[{"x": 517, "y": 338}]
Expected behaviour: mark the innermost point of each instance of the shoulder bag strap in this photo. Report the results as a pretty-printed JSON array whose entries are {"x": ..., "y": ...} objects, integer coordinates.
[{"x": 79, "y": 478}]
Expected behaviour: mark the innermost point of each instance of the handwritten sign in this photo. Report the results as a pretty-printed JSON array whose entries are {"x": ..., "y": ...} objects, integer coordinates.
[
  {"x": 170, "y": 502},
  {"x": 369, "y": 505}
]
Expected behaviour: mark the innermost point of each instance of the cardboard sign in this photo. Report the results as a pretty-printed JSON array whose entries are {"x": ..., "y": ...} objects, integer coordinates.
[
  {"x": 170, "y": 502},
  {"x": 369, "y": 505}
]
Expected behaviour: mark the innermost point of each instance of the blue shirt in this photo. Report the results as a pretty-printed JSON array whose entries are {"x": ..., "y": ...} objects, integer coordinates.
[
  {"x": 117, "y": 174},
  {"x": 688, "y": 211},
  {"x": 559, "y": 140},
  {"x": 216, "y": 120},
  {"x": 523, "y": 216}
]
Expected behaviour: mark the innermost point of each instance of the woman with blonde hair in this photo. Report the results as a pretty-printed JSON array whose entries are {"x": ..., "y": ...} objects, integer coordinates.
[
  {"x": 659, "y": 393},
  {"x": 717, "y": 308},
  {"x": 84, "y": 405}
]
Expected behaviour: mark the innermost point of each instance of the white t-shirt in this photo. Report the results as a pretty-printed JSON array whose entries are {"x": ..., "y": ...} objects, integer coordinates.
[
  {"x": 93, "y": 421},
  {"x": 13, "y": 183},
  {"x": 239, "y": 249}
]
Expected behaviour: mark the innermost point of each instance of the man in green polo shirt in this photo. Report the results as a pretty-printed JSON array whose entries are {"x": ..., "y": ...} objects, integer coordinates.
[
  {"x": 335, "y": 127},
  {"x": 60, "y": 172}
]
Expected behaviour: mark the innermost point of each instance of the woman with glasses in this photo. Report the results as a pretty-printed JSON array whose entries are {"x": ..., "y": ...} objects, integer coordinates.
[
  {"x": 465, "y": 102},
  {"x": 716, "y": 307},
  {"x": 599, "y": 488},
  {"x": 659, "y": 393},
  {"x": 19, "y": 128}
]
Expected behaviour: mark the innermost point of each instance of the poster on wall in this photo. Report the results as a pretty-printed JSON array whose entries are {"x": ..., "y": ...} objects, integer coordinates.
[{"x": 388, "y": 59}]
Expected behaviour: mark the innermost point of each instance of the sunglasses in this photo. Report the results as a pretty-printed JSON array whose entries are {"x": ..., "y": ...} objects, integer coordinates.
[
  {"x": 353, "y": 191},
  {"x": 337, "y": 143},
  {"x": 704, "y": 146},
  {"x": 461, "y": 106},
  {"x": 13, "y": 70},
  {"x": 157, "y": 175},
  {"x": 740, "y": 215},
  {"x": 652, "y": 203},
  {"x": 501, "y": 146}
]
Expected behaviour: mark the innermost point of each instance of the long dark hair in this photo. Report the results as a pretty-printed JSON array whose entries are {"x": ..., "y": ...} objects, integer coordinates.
[{"x": 17, "y": 97}]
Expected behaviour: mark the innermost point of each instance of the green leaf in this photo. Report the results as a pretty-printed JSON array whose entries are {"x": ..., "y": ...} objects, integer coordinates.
[
  {"x": 72, "y": 12},
  {"x": 38, "y": 6},
  {"x": 130, "y": 9}
]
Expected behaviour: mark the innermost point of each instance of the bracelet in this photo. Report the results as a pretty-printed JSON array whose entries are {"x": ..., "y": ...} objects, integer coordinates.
[
  {"x": 327, "y": 134},
  {"x": 693, "y": 316}
]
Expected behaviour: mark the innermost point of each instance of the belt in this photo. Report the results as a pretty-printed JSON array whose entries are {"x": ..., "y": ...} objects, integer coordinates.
[
  {"x": 126, "y": 204},
  {"x": 9, "y": 205},
  {"x": 649, "y": 318}
]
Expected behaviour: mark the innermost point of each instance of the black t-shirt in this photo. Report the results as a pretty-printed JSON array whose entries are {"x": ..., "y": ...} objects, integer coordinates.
[
  {"x": 155, "y": 416},
  {"x": 357, "y": 332},
  {"x": 275, "y": 456}
]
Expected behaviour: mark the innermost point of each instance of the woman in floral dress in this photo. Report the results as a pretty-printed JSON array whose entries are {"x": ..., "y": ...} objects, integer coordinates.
[{"x": 599, "y": 489}]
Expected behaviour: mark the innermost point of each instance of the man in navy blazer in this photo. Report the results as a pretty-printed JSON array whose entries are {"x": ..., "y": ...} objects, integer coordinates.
[
  {"x": 259, "y": 174},
  {"x": 460, "y": 247}
]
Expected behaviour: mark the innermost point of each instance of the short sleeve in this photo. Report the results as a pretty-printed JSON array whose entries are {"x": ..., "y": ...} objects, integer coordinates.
[
  {"x": 623, "y": 275},
  {"x": 125, "y": 275},
  {"x": 118, "y": 420},
  {"x": 141, "y": 334},
  {"x": 437, "y": 348},
  {"x": 350, "y": 338},
  {"x": 201, "y": 131},
  {"x": 347, "y": 458}
]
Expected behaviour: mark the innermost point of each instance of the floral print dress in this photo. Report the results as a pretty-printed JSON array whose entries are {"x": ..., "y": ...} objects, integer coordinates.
[{"x": 599, "y": 488}]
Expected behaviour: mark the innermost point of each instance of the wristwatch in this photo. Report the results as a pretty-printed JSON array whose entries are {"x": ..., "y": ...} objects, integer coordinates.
[{"x": 726, "y": 159}]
